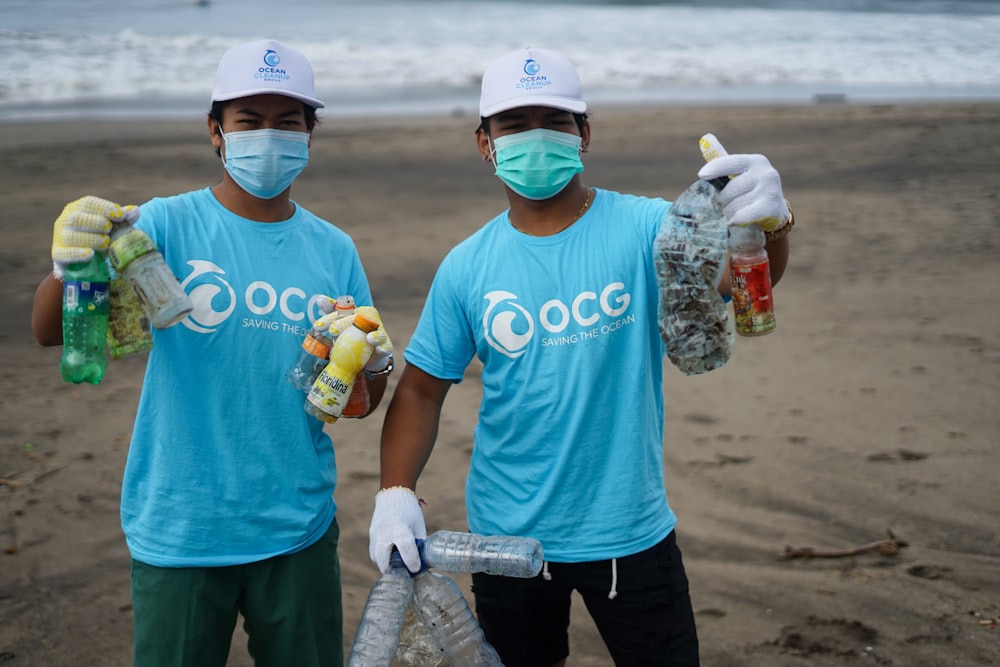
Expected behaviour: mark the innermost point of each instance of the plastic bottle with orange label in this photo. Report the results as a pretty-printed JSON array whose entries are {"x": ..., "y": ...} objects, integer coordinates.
[{"x": 315, "y": 354}]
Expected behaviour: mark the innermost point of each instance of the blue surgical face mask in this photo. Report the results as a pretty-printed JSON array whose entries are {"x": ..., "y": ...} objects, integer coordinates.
[
  {"x": 537, "y": 164},
  {"x": 265, "y": 162}
]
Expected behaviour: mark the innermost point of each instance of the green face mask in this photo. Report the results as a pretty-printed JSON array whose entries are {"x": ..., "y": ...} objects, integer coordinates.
[{"x": 537, "y": 164}]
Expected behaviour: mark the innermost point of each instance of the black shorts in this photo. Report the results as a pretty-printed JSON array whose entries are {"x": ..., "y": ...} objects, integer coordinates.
[{"x": 647, "y": 620}]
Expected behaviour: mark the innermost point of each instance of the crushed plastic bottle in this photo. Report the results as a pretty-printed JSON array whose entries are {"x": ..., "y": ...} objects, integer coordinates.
[{"x": 689, "y": 255}]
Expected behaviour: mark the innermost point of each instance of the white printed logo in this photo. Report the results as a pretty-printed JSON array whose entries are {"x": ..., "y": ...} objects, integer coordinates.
[
  {"x": 498, "y": 324},
  {"x": 215, "y": 301},
  {"x": 509, "y": 326},
  {"x": 205, "y": 318}
]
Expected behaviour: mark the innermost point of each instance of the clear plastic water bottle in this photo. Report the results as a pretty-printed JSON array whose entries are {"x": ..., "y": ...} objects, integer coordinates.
[
  {"x": 750, "y": 281},
  {"x": 350, "y": 352},
  {"x": 442, "y": 609},
  {"x": 86, "y": 296},
  {"x": 315, "y": 354},
  {"x": 134, "y": 256},
  {"x": 378, "y": 634},
  {"x": 493, "y": 554}
]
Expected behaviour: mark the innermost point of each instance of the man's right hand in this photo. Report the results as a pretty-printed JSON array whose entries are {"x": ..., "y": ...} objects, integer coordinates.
[
  {"x": 83, "y": 227},
  {"x": 397, "y": 522}
]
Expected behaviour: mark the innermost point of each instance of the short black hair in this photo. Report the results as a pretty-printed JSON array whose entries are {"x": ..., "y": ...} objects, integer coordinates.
[
  {"x": 484, "y": 122},
  {"x": 215, "y": 113}
]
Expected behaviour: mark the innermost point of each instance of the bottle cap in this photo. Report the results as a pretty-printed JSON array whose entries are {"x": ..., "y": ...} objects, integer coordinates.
[
  {"x": 364, "y": 323},
  {"x": 129, "y": 247}
]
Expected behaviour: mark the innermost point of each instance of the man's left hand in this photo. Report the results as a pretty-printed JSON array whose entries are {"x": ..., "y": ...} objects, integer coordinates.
[{"x": 753, "y": 195}]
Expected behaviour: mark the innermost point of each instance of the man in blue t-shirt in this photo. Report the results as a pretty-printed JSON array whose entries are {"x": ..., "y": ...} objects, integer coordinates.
[
  {"x": 558, "y": 299},
  {"x": 227, "y": 498}
]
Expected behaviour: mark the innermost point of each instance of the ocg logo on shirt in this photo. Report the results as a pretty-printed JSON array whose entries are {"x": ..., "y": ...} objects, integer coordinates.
[
  {"x": 509, "y": 327},
  {"x": 215, "y": 300}
]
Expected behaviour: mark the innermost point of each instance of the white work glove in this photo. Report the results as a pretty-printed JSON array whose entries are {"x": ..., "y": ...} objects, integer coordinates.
[
  {"x": 336, "y": 322},
  {"x": 753, "y": 194},
  {"x": 396, "y": 522},
  {"x": 83, "y": 227}
]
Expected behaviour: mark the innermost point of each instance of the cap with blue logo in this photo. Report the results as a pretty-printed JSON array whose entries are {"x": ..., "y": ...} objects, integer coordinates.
[
  {"x": 531, "y": 77},
  {"x": 265, "y": 67}
]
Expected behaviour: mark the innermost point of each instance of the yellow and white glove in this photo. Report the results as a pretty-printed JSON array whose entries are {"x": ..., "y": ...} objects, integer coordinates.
[
  {"x": 397, "y": 522},
  {"x": 753, "y": 194},
  {"x": 336, "y": 323},
  {"x": 331, "y": 310},
  {"x": 83, "y": 227},
  {"x": 381, "y": 359}
]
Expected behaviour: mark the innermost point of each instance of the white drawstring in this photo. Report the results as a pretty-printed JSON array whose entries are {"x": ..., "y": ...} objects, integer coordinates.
[{"x": 545, "y": 571}]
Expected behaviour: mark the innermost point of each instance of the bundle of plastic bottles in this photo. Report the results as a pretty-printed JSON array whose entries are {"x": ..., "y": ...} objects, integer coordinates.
[
  {"x": 423, "y": 619},
  {"x": 109, "y": 303}
]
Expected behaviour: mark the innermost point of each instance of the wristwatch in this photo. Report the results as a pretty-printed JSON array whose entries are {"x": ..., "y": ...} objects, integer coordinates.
[{"x": 370, "y": 375}]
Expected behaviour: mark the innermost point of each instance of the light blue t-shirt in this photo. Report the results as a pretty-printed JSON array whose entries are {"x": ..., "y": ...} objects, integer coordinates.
[
  {"x": 568, "y": 447},
  {"x": 225, "y": 467}
]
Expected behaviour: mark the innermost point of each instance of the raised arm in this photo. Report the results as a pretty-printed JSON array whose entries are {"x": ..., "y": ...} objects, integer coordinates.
[{"x": 80, "y": 230}]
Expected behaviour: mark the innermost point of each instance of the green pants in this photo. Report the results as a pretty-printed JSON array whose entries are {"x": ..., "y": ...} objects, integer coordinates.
[{"x": 291, "y": 606}]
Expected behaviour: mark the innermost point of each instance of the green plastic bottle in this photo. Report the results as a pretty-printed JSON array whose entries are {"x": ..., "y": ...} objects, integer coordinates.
[{"x": 86, "y": 296}]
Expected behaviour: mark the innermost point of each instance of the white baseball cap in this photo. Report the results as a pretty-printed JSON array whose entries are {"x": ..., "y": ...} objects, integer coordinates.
[
  {"x": 531, "y": 77},
  {"x": 263, "y": 67}
]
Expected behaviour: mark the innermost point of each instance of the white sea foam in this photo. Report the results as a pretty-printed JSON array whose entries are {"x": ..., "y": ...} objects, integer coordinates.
[{"x": 156, "y": 56}]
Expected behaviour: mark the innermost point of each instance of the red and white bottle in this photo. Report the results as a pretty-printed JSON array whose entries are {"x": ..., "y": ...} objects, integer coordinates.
[{"x": 750, "y": 281}]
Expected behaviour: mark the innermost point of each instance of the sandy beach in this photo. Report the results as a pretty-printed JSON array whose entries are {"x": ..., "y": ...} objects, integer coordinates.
[{"x": 873, "y": 411}]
